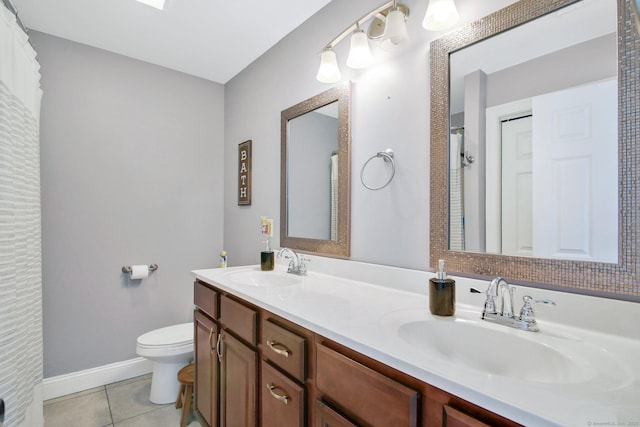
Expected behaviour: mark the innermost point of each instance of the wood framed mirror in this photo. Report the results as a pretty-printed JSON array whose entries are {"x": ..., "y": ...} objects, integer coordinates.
[
  {"x": 315, "y": 174},
  {"x": 615, "y": 279}
]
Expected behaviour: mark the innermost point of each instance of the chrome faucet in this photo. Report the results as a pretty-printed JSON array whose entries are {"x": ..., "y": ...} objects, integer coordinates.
[
  {"x": 296, "y": 263},
  {"x": 526, "y": 320}
]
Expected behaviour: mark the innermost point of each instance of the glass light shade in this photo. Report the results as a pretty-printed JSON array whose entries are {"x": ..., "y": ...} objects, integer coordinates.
[
  {"x": 395, "y": 28},
  {"x": 359, "y": 54},
  {"x": 441, "y": 15},
  {"x": 328, "y": 71},
  {"x": 158, "y": 4}
]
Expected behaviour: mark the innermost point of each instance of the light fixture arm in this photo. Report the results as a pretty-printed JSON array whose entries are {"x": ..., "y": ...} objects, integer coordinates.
[{"x": 381, "y": 12}]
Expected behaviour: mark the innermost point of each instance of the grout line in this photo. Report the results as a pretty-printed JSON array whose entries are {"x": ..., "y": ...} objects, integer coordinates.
[{"x": 106, "y": 393}]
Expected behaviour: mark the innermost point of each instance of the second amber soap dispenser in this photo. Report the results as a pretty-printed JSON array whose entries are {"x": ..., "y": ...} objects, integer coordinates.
[{"x": 442, "y": 293}]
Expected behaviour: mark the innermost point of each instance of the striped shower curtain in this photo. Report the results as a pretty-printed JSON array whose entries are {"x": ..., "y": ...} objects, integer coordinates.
[
  {"x": 20, "y": 241},
  {"x": 334, "y": 195},
  {"x": 456, "y": 196}
]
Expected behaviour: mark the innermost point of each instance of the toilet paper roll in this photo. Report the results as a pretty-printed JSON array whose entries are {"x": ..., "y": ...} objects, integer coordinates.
[{"x": 139, "y": 272}]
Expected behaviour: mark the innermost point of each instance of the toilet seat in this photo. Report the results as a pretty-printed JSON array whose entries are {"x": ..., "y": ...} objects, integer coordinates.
[
  {"x": 168, "y": 336},
  {"x": 168, "y": 341}
]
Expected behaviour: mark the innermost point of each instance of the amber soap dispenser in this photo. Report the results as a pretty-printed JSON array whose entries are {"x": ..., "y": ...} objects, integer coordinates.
[{"x": 442, "y": 293}]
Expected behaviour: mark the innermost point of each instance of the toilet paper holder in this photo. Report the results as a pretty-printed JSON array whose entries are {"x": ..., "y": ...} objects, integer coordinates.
[{"x": 127, "y": 268}]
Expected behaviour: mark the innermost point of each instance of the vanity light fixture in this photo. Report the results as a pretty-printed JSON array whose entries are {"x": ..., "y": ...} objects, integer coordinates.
[
  {"x": 387, "y": 25},
  {"x": 158, "y": 4},
  {"x": 441, "y": 15}
]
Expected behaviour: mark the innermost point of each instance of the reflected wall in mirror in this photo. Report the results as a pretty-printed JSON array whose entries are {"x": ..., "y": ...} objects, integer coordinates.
[
  {"x": 542, "y": 126},
  {"x": 492, "y": 206},
  {"x": 315, "y": 174}
]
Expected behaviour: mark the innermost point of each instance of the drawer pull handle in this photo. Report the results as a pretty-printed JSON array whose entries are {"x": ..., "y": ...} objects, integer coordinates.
[
  {"x": 278, "y": 348},
  {"x": 280, "y": 397}
]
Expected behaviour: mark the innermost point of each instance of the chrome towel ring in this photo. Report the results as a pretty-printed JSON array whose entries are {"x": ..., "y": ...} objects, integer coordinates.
[{"x": 387, "y": 156}]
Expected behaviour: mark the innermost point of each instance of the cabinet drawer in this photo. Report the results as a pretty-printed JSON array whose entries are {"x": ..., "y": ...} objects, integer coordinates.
[
  {"x": 282, "y": 400},
  {"x": 455, "y": 418},
  {"x": 285, "y": 349},
  {"x": 324, "y": 416},
  {"x": 239, "y": 319},
  {"x": 206, "y": 299},
  {"x": 364, "y": 395}
]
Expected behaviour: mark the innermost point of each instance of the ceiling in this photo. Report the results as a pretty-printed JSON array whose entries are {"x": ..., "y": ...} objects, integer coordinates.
[{"x": 211, "y": 39}]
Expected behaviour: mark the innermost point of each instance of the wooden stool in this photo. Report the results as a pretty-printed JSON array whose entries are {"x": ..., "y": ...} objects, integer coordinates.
[{"x": 185, "y": 376}]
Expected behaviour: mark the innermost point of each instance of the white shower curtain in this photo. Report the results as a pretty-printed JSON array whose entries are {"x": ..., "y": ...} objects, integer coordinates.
[{"x": 20, "y": 241}]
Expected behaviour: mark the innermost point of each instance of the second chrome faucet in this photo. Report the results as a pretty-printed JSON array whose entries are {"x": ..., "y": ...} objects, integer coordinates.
[{"x": 526, "y": 320}]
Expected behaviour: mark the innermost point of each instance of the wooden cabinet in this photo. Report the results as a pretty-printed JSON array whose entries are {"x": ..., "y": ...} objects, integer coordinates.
[
  {"x": 254, "y": 368},
  {"x": 226, "y": 360}
]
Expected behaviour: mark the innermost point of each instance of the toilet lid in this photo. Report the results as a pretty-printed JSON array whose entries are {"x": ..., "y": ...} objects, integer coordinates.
[{"x": 171, "y": 335}]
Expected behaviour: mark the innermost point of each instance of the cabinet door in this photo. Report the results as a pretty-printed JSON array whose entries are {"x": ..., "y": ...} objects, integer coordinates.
[
  {"x": 282, "y": 400},
  {"x": 238, "y": 382},
  {"x": 206, "y": 380},
  {"x": 324, "y": 416}
]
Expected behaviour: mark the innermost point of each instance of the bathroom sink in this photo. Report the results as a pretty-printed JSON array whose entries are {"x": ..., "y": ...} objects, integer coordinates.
[
  {"x": 465, "y": 343},
  {"x": 264, "y": 279},
  {"x": 495, "y": 352}
]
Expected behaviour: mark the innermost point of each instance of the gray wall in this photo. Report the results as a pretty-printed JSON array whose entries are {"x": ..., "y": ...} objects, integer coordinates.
[
  {"x": 131, "y": 174},
  {"x": 390, "y": 109}
]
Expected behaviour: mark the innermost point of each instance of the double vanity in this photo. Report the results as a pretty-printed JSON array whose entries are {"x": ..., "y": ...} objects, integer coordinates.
[{"x": 355, "y": 344}]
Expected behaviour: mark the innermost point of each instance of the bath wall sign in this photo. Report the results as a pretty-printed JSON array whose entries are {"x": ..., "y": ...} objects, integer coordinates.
[{"x": 244, "y": 173}]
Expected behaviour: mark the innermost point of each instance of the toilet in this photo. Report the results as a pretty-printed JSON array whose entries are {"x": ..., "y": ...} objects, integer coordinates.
[{"x": 170, "y": 349}]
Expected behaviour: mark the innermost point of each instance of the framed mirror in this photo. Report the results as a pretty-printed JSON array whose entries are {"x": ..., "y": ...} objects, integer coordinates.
[
  {"x": 470, "y": 95},
  {"x": 315, "y": 174}
]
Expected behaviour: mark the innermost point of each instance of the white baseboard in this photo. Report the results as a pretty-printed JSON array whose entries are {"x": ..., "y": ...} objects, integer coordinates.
[{"x": 95, "y": 377}]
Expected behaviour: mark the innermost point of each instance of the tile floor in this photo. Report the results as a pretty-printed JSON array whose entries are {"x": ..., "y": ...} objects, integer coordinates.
[{"x": 122, "y": 404}]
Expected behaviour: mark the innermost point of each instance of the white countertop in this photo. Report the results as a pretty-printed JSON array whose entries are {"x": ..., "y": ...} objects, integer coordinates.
[{"x": 362, "y": 306}]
